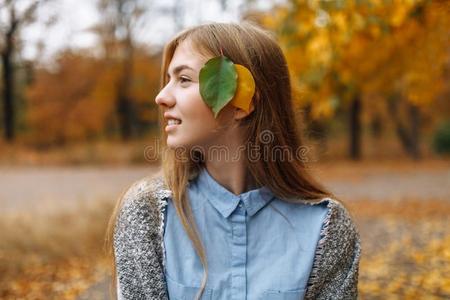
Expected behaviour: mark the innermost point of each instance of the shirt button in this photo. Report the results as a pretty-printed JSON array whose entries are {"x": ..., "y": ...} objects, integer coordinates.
[{"x": 240, "y": 205}]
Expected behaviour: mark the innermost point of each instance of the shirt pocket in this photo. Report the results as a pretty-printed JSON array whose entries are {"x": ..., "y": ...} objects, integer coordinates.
[
  {"x": 297, "y": 294},
  {"x": 178, "y": 291}
]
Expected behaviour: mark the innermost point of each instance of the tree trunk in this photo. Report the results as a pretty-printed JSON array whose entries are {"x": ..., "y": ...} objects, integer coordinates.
[
  {"x": 123, "y": 111},
  {"x": 8, "y": 87},
  {"x": 414, "y": 118},
  {"x": 409, "y": 139},
  {"x": 124, "y": 104},
  {"x": 11, "y": 31},
  {"x": 376, "y": 126},
  {"x": 355, "y": 128}
]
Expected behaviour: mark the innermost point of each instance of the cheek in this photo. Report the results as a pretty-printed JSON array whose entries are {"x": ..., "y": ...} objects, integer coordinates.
[
  {"x": 200, "y": 128},
  {"x": 197, "y": 113}
]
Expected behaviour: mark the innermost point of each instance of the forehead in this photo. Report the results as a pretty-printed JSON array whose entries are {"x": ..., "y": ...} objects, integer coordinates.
[{"x": 186, "y": 54}]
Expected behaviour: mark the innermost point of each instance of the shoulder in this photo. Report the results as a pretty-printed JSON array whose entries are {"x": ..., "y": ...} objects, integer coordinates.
[
  {"x": 153, "y": 186},
  {"x": 339, "y": 232},
  {"x": 337, "y": 219},
  {"x": 142, "y": 199},
  {"x": 338, "y": 252},
  {"x": 333, "y": 214},
  {"x": 144, "y": 192},
  {"x": 303, "y": 213},
  {"x": 137, "y": 239}
]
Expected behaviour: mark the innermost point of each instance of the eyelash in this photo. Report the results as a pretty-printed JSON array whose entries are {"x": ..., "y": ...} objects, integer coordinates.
[
  {"x": 181, "y": 79},
  {"x": 184, "y": 79}
]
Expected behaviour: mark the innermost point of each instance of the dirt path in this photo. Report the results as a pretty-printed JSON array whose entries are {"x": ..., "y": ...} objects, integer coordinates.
[
  {"x": 52, "y": 188},
  {"x": 386, "y": 180},
  {"x": 55, "y": 188}
]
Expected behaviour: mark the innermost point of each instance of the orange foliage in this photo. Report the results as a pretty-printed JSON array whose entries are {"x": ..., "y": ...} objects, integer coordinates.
[
  {"x": 60, "y": 106},
  {"x": 76, "y": 101}
]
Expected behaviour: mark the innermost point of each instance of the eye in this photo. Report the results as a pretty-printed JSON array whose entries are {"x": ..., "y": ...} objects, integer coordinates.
[{"x": 184, "y": 79}]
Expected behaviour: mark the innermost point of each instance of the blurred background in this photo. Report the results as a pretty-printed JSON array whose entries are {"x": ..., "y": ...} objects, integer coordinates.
[{"x": 79, "y": 125}]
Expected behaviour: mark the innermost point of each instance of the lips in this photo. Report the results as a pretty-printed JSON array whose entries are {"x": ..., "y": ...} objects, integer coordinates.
[
  {"x": 171, "y": 119},
  {"x": 173, "y": 122}
]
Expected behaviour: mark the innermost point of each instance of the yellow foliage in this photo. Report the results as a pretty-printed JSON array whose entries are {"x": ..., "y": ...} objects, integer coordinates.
[
  {"x": 245, "y": 88},
  {"x": 399, "y": 15},
  {"x": 318, "y": 49},
  {"x": 322, "y": 109},
  {"x": 376, "y": 47}
]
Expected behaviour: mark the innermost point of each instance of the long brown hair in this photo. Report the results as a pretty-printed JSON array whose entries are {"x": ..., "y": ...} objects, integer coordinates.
[{"x": 272, "y": 125}]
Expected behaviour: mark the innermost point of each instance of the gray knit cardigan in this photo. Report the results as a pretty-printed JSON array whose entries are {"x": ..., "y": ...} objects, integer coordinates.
[{"x": 139, "y": 247}]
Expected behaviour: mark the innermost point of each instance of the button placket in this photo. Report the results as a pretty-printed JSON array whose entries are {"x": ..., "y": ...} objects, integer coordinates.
[{"x": 239, "y": 254}]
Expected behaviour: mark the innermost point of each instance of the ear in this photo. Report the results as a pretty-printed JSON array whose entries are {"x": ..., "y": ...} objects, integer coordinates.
[{"x": 239, "y": 113}]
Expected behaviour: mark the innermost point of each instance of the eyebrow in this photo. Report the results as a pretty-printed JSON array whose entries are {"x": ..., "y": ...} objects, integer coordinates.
[{"x": 179, "y": 68}]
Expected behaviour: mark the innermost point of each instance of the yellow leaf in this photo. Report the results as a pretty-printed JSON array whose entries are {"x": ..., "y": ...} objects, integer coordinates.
[{"x": 245, "y": 88}]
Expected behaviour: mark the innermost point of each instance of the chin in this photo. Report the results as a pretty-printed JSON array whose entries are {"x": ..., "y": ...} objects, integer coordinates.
[
  {"x": 172, "y": 145},
  {"x": 175, "y": 144},
  {"x": 183, "y": 149}
]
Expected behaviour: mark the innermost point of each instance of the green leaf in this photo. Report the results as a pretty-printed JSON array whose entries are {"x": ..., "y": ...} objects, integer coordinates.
[{"x": 218, "y": 82}]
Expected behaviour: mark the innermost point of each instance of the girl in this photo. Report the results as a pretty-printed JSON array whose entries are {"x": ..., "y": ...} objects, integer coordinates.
[{"x": 234, "y": 213}]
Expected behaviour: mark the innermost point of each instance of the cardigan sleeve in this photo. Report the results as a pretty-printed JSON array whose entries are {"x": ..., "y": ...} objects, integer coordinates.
[
  {"x": 336, "y": 263},
  {"x": 119, "y": 292},
  {"x": 136, "y": 242}
]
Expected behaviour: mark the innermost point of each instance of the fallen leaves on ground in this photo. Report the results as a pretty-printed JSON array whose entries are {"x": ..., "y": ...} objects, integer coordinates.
[
  {"x": 53, "y": 256},
  {"x": 405, "y": 249}
]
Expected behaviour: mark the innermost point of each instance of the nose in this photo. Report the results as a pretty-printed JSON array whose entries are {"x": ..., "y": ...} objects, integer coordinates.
[{"x": 165, "y": 98}]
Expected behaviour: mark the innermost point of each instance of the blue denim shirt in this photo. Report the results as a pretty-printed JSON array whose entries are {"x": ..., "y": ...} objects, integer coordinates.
[{"x": 257, "y": 246}]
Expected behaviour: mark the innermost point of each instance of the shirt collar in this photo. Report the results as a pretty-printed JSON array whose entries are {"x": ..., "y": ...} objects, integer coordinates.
[{"x": 226, "y": 202}]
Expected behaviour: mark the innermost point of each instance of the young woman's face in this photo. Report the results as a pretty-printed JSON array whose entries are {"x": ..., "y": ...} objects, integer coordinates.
[{"x": 181, "y": 100}]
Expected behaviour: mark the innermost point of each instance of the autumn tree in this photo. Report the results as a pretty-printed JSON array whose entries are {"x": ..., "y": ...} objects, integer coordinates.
[
  {"x": 400, "y": 61},
  {"x": 61, "y": 106},
  {"x": 74, "y": 100},
  {"x": 348, "y": 54},
  {"x": 14, "y": 15},
  {"x": 120, "y": 21}
]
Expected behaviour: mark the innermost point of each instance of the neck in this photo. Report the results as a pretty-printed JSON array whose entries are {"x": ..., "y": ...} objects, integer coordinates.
[
  {"x": 233, "y": 176},
  {"x": 227, "y": 165}
]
